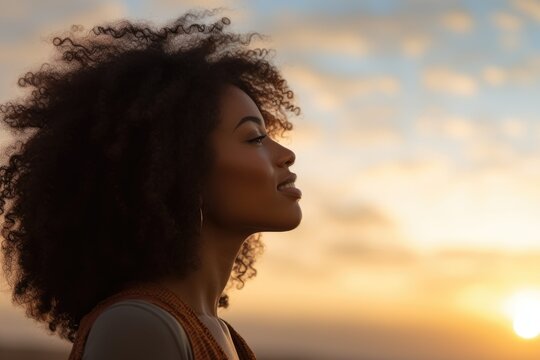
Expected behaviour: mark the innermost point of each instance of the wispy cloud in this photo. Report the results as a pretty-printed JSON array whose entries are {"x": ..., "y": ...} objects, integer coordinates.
[
  {"x": 415, "y": 45},
  {"x": 528, "y": 7},
  {"x": 507, "y": 21},
  {"x": 330, "y": 91},
  {"x": 457, "y": 21},
  {"x": 524, "y": 73},
  {"x": 447, "y": 125},
  {"x": 450, "y": 81}
]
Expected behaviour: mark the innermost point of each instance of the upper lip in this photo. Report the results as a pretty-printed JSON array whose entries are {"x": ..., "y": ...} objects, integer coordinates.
[{"x": 289, "y": 179}]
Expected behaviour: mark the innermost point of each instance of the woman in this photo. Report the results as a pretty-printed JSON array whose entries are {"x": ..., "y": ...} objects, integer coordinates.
[{"x": 150, "y": 171}]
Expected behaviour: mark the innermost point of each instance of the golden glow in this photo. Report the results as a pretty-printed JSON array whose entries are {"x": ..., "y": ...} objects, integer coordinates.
[{"x": 524, "y": 308}]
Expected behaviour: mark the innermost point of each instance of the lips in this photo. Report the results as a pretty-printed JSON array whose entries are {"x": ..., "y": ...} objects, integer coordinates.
[
  {"x": 289, "y": 179},
  {"x": 287, "y": 187}
]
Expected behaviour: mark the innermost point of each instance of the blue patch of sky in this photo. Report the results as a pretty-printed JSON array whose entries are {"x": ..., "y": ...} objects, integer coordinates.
[
  {"x": 531, "y": 35},
  {"x": 478, "y": 8},
  {"x": 510, "y": 100},
  {"x": 135, "y": 7},
  {"x": 375, "y": 7}
]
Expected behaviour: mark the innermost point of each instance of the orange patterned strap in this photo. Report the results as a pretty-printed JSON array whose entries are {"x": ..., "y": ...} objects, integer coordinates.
[
  {"x": 203, "y": 344},
  {"x": 242, "y": 348}
]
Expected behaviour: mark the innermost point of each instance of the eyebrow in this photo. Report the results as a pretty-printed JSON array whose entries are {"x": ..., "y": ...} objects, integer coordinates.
[{"x": 249, "y": 118}]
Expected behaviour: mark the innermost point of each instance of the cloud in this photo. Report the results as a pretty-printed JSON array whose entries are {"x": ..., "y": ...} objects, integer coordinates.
[
  {"x": 328, "y": 91},
  {"x": 514, "y": 127},
  {"x": 506, "y": 21},
  {"x": 494, "y": 75},
  {"x": 509, "y": 25},
  {"x": 399, "y": 185},
  {"x": 462, "y": 268},
  {"x": 356, "y": 251},
  {"x": 491, "y": 152},
  {"x": 523, "y": 73},
  {"x": 415, "y": 45},
  {"x": 528, "y": 7},
  {"x": 457, "y": 21},
  {"x": 317, "y": 40},
  {"x": 305, "y": 135},
  {"x": 449, "y": 81},
  {"x": 380, "y": 136},
  {"x": 358, "y": 213},
  {"x": 510, "y": 41},
  {"x": 361, "y": 229},
  {"x": 370, "y": 125},
  {"x": 446, "y": 125},
  {"x": 354, "y": 35},
  {"x": 311, "y": 87},
  {"x": 360, "y": 86}
]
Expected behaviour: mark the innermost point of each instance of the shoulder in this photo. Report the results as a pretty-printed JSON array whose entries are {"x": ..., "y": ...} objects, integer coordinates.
[{"x": 136, "y": 329}]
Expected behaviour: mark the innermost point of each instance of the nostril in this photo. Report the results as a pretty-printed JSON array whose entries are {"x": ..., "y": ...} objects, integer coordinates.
[
  {"x": 290, "y": 162},
  {"x": 293, "y": 157}
]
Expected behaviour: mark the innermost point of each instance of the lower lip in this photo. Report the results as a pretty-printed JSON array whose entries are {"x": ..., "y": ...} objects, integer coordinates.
[{"x": 292, "y": 191}]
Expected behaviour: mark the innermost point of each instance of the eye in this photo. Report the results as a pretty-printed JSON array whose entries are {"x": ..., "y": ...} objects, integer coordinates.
[{"x": 257, "y": 140}]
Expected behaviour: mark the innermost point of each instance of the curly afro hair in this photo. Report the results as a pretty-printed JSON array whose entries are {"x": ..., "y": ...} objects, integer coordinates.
[{"x": 105, "y": 188}]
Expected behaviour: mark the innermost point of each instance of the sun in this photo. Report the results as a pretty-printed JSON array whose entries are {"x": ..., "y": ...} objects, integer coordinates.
[{"x": 524, "y": 309}]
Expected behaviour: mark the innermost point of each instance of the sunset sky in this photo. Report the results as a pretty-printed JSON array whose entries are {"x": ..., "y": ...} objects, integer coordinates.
[{"x": 418, "y": 155}]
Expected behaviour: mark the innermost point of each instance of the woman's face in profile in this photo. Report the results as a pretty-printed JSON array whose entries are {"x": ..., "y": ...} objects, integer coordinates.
[{"x": 242, "y": 191}]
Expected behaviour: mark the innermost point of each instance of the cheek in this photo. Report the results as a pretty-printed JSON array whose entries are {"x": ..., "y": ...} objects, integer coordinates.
[{"x": 241, "y": 182}]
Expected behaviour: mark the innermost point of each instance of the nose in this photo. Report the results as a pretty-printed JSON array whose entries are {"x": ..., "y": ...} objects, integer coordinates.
[{"x": 287, "y": 157}]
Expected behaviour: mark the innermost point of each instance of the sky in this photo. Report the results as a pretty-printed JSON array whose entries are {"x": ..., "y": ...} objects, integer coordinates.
[{"x": 417, "y": 152}]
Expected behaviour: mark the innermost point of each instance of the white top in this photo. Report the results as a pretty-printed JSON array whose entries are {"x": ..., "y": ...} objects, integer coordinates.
[{"x": 140, "y": 330}]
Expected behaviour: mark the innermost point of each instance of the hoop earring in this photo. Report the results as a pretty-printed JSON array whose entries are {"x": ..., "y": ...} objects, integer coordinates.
[{"x": 202, "y": 218}]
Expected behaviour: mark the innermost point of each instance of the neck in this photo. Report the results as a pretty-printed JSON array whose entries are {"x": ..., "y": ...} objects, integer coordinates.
[{"x": 202, "y": 288}]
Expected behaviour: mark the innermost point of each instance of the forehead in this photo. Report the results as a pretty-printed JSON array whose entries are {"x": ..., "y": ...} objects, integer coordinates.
[{"x": 234, "y": 104}]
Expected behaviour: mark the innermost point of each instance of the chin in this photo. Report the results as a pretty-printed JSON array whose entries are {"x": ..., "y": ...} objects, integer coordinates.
[{"x": 290, "y": 223}]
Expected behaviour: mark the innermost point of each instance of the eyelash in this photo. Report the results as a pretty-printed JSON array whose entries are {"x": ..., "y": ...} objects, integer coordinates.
[{"x": 257, "y": 139}]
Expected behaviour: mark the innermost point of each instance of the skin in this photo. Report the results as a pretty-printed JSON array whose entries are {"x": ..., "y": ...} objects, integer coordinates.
[{"x": 240, "y": 199}]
